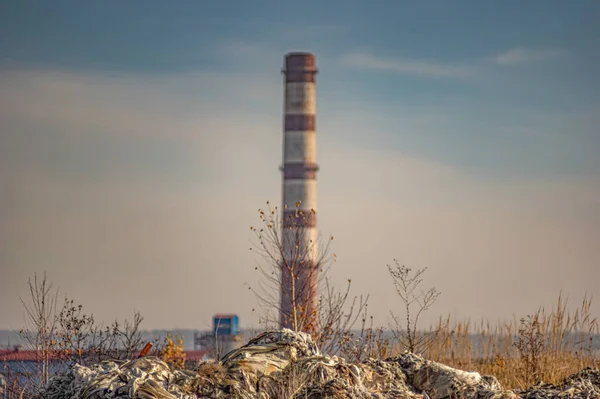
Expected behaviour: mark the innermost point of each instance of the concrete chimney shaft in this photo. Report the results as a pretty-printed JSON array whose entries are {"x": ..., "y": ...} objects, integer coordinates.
[{"x": 299, "y": 187}]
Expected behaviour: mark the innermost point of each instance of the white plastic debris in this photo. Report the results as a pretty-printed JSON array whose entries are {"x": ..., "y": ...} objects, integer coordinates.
[{"x": 288, "y": 364}]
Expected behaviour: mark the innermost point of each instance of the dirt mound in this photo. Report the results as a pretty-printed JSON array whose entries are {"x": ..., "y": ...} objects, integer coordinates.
[{"x": 286, "y": 364}]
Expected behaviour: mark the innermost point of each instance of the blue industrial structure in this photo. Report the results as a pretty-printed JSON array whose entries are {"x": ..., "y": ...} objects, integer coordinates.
[
  {"x": 224, "y": 337},
  {"x": 225, "y": 324}
]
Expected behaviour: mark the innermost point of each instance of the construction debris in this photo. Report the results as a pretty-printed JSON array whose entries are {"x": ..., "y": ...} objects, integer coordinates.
[
  {"x": 287, "y": 364},
  {"x": 146, "y": 377},
  {"x": 585, "y": 384}
]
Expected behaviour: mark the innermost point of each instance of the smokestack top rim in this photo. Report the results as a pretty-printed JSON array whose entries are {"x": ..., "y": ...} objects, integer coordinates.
[
  {"x": 300, "y": 53},
  {"x": 299, "y": 61}
]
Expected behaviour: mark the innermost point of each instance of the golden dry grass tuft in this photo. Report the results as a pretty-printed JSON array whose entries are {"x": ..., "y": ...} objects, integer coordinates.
[{"x": 544, "y": 346}]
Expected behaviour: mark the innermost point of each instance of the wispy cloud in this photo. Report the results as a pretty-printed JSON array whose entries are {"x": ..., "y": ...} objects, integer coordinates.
[
  {"x": 522, "y": 55},
  {"x": 407, "y": 66},
  {"x": 89, "y": 102},
  {"x": 510, "y": 57}
]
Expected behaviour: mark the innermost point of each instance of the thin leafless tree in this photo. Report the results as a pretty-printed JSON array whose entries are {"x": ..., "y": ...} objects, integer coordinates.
[
  {"x": 294, "y": 265},
  {"x": 40, "y": 323}
]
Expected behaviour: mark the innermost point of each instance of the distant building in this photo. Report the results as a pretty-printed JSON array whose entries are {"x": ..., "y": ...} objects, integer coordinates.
[
  {"x": 224, "y": 337},
  {"x": 226, "y": 324}
]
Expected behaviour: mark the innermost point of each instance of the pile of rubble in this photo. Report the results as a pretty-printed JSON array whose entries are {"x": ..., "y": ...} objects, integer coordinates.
[
  {"x": 585, "y": 384},
  {"x": 286, "y": 364}
]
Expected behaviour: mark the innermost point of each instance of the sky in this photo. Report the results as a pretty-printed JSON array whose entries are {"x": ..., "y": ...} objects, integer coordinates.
[{"x": 138, "y": 140}]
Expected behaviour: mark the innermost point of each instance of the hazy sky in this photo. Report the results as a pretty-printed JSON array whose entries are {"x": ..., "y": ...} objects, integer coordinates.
[{"x": 139, "y": 138}]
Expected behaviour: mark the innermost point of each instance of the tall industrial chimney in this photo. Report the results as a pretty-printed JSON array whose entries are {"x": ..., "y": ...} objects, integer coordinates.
[{"x": 299, "y": 192}]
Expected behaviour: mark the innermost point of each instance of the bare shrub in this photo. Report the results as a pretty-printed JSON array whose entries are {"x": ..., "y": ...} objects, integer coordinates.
[
  {"x": 530, "y": 344},
  {"x": 368, "y": 343},
  {"x": 337, "y": 315},
  {"x": 415, "y": 302},
  {"x": 60, "y": 338}
]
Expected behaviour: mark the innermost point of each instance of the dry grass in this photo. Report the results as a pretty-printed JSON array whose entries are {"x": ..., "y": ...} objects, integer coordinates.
[
  {"x": 544, "y": 346},
  {"x": 288, "y": 385}
]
